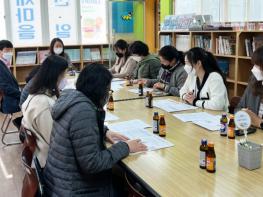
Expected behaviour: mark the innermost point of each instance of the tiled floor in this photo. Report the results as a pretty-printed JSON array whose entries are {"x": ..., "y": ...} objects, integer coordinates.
[{"x": 11, "y": 170}]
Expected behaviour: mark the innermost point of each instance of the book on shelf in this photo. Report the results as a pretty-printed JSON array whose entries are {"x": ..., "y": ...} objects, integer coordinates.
[
  {"x": 74, "y": 54},
  {"x": 224, "y": 66},
  {"x": 225, "y": 45},
  {"x": 182, "y": 42},
  {"x": 86, "y": 54},
  {"x": 249, "y": 48},
  {"x": 42, "y": 55},
  {"x": 204, "y": 42},
  {"x": 257, "y": 42},
  {"x": 165, "y": 40},
  {"x": 95, "y": 54},
  {"x": 26, "y": 57},
  {"x": 252, "y": 44}
]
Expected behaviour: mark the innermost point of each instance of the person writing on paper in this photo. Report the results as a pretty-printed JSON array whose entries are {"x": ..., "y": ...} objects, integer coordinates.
[
  {"x": 125, "y": 63},
  {"x": 148, "y": 64},
  {"x": 205, "y": 85},
  {"x": 252, "y": 99},
  {"x": 57, "y": 48},
  {"x": 172, "y": 75},
  {"x": 36, "y": 109},
  {"x": 79, "y": 163}
]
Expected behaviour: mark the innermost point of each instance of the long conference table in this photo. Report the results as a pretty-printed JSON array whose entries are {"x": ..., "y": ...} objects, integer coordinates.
[{"x": 175, "y": 171}]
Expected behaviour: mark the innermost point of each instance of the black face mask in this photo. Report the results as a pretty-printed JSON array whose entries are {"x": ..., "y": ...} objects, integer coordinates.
[
  {"x": 165, "y": 67},
  {"x": 119, "y": 55}
]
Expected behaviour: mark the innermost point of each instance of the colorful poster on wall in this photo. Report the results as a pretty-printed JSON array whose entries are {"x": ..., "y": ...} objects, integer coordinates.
[
  {"x": 93, "y": 22},
  {"x": 26, "y": 22},
  {"x": 122, "y": 17},
  {"x": 62, "y": 24}
]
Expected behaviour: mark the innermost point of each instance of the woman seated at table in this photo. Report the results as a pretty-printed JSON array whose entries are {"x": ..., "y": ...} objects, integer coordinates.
[
  {"x": 125, "y": 63},
  {"x": 148, "y": 64},
  {"x": 172, "y": 75},
  {"x": 36, "y": 109},
  {"x": 57, "y": 48},
  {"x": 205, "y": 85},
  {"x": 252, "y": 101},
  {"x": 79, "y": 163}
]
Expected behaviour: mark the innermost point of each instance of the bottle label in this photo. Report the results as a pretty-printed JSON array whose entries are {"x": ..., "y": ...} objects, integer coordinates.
[
  {"x": 210, "y": 163},
  {"x": 146, "y": 102},
  {"x": 202, "y": 159},
  {"x": 162, "y": 130},
  {"x": 231, "y": 131},
  {"x": 155, "y": 126},
  {"x": 223, "y": 128},
  {"x": 110, "y": 106}
]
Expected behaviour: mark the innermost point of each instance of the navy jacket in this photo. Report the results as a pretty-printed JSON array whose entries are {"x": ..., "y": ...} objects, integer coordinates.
[{"x": 10, "y": 88}]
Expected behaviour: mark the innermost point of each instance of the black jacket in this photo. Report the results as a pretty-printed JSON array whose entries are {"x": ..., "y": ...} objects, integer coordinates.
[
  {"x": 78, "y": 162},
  {"x": 10, "y": 88}
]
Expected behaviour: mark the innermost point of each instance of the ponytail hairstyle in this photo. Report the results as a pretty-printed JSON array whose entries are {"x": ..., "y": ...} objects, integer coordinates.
[
  {"x": 170, "y": 53},
  {"x": 257, "y": 59},
  {"x": 206, "y": 58}
]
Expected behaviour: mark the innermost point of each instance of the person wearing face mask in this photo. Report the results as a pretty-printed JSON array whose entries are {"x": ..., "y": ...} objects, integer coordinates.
[
  {"x": 125, "y": 63},
  {"x": 252, "y": 99},
  {"x": 43, "y": 93},
  {"x": 148, "y": 64},
  {"x": 172, "y": 75},
  {"x": 8, "y": 83},
  {"x": 57, "y": 48},
  {"x": 205, "y": 85},
  {"x": 77, "y": 148}
]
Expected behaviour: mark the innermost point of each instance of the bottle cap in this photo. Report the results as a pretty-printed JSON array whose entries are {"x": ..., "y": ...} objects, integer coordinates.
[
  {"x": 231, "y": 116},
  {"x": 155, "y": 113},
  {"x": 161, "y": 115},
  {"x": 224, "y": 114},
  {"x": 211, "y": 144},
  {"x": 204, "y": 142}
]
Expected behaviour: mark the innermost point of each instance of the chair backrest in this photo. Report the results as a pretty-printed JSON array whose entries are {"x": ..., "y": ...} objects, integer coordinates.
[
  {"x": 233, "y": 104},
  {"x": 39, "y": 174},
  {"x": 30, "y": 182},
  {"x": 30, "y": 139},
  {"x": 131, "y": 189}
]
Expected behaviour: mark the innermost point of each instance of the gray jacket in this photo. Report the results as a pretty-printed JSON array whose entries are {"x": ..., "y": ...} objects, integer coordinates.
[
  {"x": 78, "y": 162},
  {"x": 177, "y": 77},
  {"x": 249, "y": 100}
]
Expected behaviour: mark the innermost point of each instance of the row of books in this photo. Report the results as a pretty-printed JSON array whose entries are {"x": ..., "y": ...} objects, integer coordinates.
[
  {"x": 253, "y": 44},
  {"x": 165, "y": 40},
  {"x": 225, "y": 45},
  {"x": 204, "y": 42},
  {"x": 89, "y": 54}
]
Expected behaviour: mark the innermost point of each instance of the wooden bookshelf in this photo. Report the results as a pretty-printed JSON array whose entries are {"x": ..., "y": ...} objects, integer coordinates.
[
  {"x": 239, "y": 63},
  {"x": 21, "y": 71}
]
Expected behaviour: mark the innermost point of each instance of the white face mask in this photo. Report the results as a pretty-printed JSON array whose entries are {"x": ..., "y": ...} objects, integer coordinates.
[
  {"x": 189, "y": 69},
  {"x": 8, "y": 56},
  {"x": 257, "y": 73},
  {"x": 58, "y": 51},
  {"x": 137, "y": 58},
  {"x": 63, "y": 83}
]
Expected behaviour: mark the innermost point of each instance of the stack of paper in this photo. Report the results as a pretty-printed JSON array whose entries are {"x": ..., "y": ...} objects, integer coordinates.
[
  {"x": 172, "y": 106},
  {"x": 117, "y": 85},
  {"x": 136, "y": 91},
  {"x": 202, "y": 119},
  {"x": 134, "y": 129}
]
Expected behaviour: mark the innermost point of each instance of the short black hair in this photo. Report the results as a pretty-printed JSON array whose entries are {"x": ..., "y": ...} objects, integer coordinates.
[
  {"x": 122, "y": 44},
  {"x": 139, "y": 48},
  {"x": 5, "y": 44},
  {"x": 170, "y": 52},
  {"x": 94, "y": 82},
  {"x": 51, "y": 48},
  {"x": 47, "y": 76}
]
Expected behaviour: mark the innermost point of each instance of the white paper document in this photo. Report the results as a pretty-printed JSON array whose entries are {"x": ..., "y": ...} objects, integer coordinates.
[
  {"x": 126, "y": 125},
  {"x": 210, "y": 124},
  {"x": 153, "y": 142},
  {"x": 136, "y": 90},
  {"x": 111, "y": 117},
  {"x": 117, "y": 85},
  {"x": 70, "y": 83},
  {"x": 190, "y": 117},
  {"x": 172, "y": 106},
  {"x": 118, "y": 79}
]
